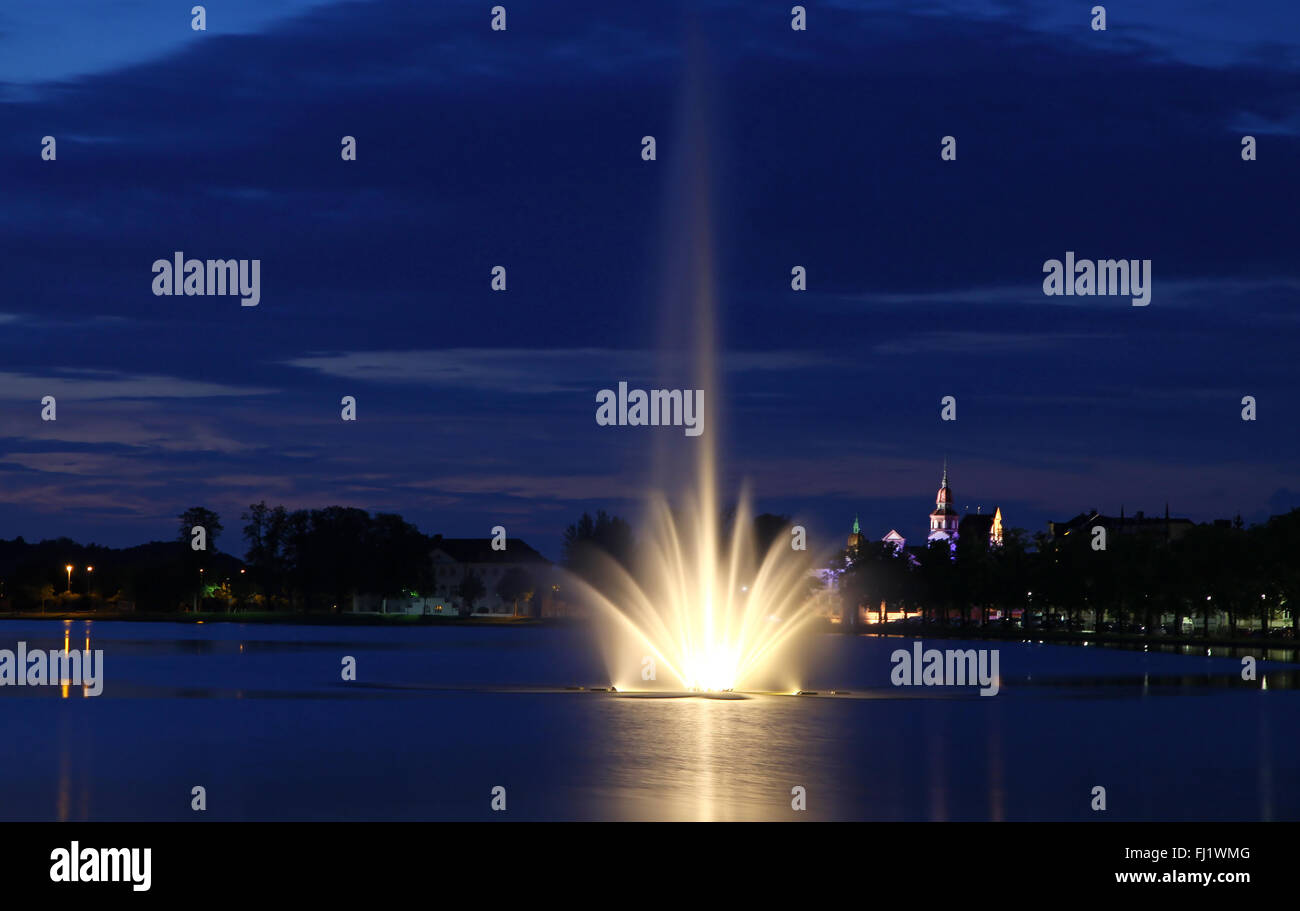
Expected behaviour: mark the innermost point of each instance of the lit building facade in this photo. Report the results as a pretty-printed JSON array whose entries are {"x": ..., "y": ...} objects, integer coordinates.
[
  {"x": 945, "y": 524},
  {"x": 944, "y": 519}
]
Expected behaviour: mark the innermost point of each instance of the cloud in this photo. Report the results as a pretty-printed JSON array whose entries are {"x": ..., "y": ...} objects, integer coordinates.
[
  {"x": 992, "y": 342},
  {"x": 1248, "y": 122},
  {"x": 532, "y": 371},
  {"x": 84, "y": 384},
  {"x": 1206, "y": 291},
  {"x": 539, "y": 486},
  {"x": 45, "y": 42},
  {"x": 1203, "y": 34}
]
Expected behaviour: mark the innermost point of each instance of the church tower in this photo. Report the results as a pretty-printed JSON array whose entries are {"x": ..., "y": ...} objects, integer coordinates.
[
  {"x": 855, "y": 539},
  {"x": 944, "y": 519}
]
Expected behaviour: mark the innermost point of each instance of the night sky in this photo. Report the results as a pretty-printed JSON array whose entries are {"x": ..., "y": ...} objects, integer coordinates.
[{"x": 523, "y": 148}]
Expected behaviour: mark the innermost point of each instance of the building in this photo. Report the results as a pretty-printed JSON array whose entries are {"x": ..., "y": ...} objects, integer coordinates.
[
  {"x": 855, "y": 536},
  {"x": 456, "y": 558},
  {"x": 1166, "y": 529},
  {"x": 944, "y": 520},
  {"x": 946, "y": 524},
  {"x": 982, "y": 524},
  {"x": 897, "y": 540},
  {"x": 453, "y": 561}
]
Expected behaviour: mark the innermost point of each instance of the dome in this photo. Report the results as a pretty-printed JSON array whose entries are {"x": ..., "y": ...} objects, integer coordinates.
[{"x": 943, "y": 499}]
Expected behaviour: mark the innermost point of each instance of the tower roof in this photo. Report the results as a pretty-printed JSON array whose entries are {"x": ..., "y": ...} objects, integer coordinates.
[{"x": 943, "y": 499}]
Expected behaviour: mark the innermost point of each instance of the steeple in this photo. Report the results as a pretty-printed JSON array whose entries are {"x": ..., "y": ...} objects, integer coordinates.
[
  {"x": 855, "y": 539},
  {"x": 944, "y": 519},
  {"x": 943, "y": 499}
]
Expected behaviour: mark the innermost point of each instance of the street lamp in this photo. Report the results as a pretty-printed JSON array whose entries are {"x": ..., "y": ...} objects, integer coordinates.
[
  {"x": 89, "y": 570},
  {"x": 69, "y": 569}
]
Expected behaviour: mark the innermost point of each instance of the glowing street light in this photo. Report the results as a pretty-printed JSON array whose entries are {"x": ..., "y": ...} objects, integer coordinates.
[
  {"x": 69, "y": 569},
  {"x": 89, "y": 570}
]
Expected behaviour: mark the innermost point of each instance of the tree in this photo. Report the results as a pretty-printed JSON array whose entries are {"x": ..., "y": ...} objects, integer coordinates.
[
  {"x": 1279, "y": 544},
  {"x": 937, "y": 576},
  {"x": 974, "y": 574},
  {"x": 875, "y": 575},
  {"x": 330, "y": 554},
  {"x": 470, "y": 589},
  {"x": 266, "y": 533},
  {"x": 396, "y": 557},
  {"x": 1012, "y": 572},
  {"x": 198, "y": 515},
  {"x": 322, "y": 557},
  {"x": 516, "y": 583},
  {"x": 768, "y": 528},
  {"x": 588, "y": 539}
]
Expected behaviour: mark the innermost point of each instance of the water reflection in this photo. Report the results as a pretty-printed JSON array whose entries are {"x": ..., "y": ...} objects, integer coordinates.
[
  {"x": 936, "y": 751},
  {"x": 997, "y": 795},
  {"x": 1284, "y": 654},
  {"x": 704, "y": 759},
  {"x": 65, "y": 683},
  {"x": 1177, "y": 729}
]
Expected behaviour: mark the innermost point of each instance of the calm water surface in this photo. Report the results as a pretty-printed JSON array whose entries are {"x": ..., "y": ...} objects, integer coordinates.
[{"x": 258, "y": 715}]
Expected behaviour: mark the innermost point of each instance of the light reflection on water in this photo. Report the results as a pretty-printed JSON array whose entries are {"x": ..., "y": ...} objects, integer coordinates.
[
  {"x": 440, "y": 716},
  {"x": 704, "y": 759}
]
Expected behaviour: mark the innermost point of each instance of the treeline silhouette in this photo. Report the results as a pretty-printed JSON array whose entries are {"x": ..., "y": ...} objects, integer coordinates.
[
  {"x": 1228, "y": 574},
  {"x": 316, "y": 559},
  {"x": 304, "y": 560}
]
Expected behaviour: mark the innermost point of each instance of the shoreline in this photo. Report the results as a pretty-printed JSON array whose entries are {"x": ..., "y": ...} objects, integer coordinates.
[
  {"x": 1054, "y": 637},
  {"x": 1076, "y": 637},
  {"x": 290, "y": 619}
]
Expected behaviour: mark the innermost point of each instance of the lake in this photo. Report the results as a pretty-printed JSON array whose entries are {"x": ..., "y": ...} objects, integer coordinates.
[{"x": 258, "y": 715}]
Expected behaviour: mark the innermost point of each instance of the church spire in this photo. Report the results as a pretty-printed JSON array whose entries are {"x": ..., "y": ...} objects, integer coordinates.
[
  {"x": 943, "y": 521},
  {"x": 856, "y": 529}
]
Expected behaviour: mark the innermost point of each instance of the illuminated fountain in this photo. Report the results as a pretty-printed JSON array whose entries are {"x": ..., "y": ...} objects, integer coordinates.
[
  {"x": 704, "y": 608},
  {"x": 706, "y": 605}
]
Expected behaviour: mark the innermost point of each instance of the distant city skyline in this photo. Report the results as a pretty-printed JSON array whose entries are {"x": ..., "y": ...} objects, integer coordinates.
[{"x": 232, "y": 540}]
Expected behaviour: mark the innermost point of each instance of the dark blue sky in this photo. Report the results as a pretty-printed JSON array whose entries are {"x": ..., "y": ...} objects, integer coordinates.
[{"x": 522, "y": 149}]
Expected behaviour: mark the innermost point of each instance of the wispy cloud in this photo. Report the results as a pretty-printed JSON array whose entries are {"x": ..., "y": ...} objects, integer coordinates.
[
  {"x": 1180, "y": 291},
  {"x": 79, "y": 384},
  {"x": 992, "y": 342},
  {"x": 531, "y": 372},
  {"x": 538, "y": 486}
]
